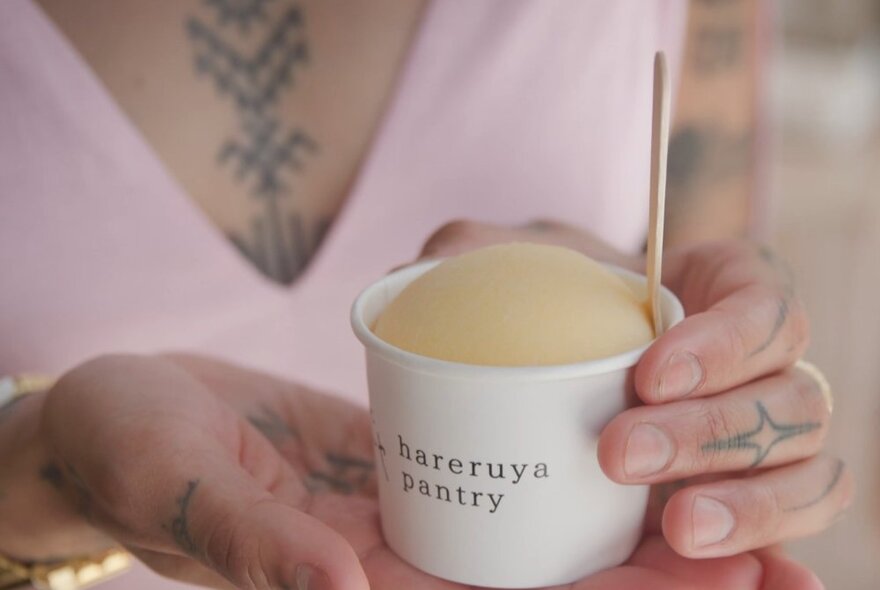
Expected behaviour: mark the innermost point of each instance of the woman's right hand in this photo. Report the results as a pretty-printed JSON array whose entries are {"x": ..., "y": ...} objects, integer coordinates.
[{"x": 173, "y": 457}]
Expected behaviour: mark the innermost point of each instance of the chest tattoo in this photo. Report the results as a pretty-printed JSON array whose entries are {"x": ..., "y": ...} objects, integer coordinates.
[{"x": 266, "y": 154}]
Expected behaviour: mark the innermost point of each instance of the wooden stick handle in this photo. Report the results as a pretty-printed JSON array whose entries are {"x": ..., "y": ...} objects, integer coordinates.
[{"x": 657, "y": 211}]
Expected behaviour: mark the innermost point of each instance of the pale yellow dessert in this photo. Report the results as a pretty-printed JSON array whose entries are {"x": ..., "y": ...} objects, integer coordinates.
[{"x": 517, "y": 304}]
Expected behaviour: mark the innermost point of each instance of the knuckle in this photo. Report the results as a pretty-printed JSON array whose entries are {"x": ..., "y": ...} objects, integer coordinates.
[
  {"x": 735, "y": 340},
  {"x": 451, "y": 232},
  {"x": 839, "y": 487},
  {"x": 848, "y": 488},
  {"x": 738, "y": 249},
  {"x": 775, "y": 296},
  {"x": 112, "y": 488},
  {"x": 103, "y": 362},
  {"x": 771, "y": 318},
  {"x": 233, "y": 550},
  {"x": 809, "y": 402},
  {"x": 86, "y": 380},
  {"x": 76, "y": 387},
  {"x": 766, "y": 515},
  {"x": 736, "y": 255},
  {"x": 226, "y": 549},
  {"x": 123, "y": 483},
  {"x": 719, "y": 429},
  {"x": 799, "y": 327},
  {"x": 118, "y": 493},
  {"x": 772, "y": 298},
  {"x": 761, "y": 253}
]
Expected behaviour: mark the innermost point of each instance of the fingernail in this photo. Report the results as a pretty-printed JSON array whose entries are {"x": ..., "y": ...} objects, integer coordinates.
[
  {"x": 311, "y": 578},
  {"x": 712, "y": 520},
  {"x": 680, "y": 377},
  {"x": 648, "y": 451}
]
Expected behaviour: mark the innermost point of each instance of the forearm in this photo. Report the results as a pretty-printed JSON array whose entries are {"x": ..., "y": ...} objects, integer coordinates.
[
  {"x": 712, "y": 155},
  {"x": 39, "y": 518}
]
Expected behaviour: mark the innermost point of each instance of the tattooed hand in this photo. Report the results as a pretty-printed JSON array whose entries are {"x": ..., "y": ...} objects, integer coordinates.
[
  {"x": 215, "y": 475},
  {"x": 730, "y": 432},
  {"x": 229, "y": 478}
]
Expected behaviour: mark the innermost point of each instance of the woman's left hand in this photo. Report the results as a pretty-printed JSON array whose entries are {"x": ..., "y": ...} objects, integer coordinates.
[{"x": 731, "y": 432}]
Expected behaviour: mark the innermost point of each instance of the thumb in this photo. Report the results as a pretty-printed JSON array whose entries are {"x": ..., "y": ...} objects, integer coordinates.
[{"x": 253, "y": 539}]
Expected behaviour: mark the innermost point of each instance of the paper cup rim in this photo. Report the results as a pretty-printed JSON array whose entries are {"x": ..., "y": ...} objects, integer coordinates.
[{"x": 453, "y": 369}]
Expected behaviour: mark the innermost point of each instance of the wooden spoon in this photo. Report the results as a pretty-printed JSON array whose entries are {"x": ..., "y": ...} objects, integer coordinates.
[{"x": 657, "y": 212}]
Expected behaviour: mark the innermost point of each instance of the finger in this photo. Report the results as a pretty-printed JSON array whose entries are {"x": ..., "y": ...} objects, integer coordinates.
[
  {"x": 629, "y": 577},
  {"x": 729, "y": 517},
  {"x": 387, "y": 571},
  {"x": 769, "y": 422},
  {"x": 783, "y": 573},
  {"x": 758, "y": 570},
  {"x": 739, "y": 571},
  {"x": 656, "y": 566},
  {"x": 744, "y": 321}
]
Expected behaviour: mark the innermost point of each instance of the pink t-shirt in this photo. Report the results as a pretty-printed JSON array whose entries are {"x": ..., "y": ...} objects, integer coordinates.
[{"x": 506, "y": 111}]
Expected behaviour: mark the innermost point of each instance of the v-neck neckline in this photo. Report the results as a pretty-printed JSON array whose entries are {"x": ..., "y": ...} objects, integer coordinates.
[{"x": 225, "y": 247}]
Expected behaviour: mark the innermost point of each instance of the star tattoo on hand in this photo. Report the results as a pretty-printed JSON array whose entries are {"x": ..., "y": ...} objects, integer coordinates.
[{"x": 761, "y": 439}]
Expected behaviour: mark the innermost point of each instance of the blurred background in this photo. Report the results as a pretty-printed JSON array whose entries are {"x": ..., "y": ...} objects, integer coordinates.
[{"x": 825, "y": 97}]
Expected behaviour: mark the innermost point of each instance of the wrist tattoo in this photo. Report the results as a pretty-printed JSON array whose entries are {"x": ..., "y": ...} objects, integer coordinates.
[{"x": 761, "y": 439}]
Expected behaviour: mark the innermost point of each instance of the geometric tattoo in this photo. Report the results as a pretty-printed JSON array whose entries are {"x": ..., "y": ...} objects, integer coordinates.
[
  {"x": 345, "y": 474},
  {"x": 339, "y": 472},
  {"x": 253, "y": 82},
  {"x": 272, "y": 426},
  {"x": 265, "y": 155},
  {"x": 760, "y": 440},
  {"x": 242, "y": 13}
]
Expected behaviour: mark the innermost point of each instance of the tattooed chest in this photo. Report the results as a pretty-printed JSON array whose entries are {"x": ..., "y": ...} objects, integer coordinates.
[
  {"x": 261, "y": 109},
  {"x": 254, "y": 62}
]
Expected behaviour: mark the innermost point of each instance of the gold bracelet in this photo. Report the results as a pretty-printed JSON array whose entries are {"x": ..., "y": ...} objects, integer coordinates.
[
  {"x": 13, "y": 574},
  {"x": 17, "y": 386},
  {"x": 70, "y": 574}
]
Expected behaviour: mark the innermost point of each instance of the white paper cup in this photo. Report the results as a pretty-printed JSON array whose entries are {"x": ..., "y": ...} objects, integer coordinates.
[{"x": 488, "y": 475}]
